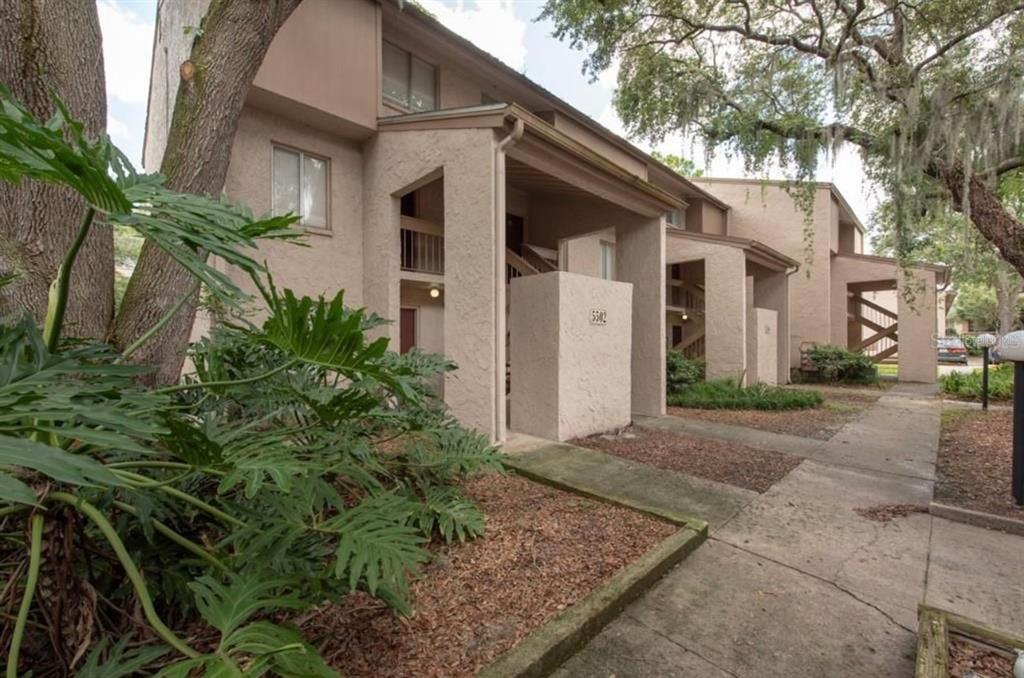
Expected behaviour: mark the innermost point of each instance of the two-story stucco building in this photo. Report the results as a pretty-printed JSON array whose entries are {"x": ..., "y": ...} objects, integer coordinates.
[{"x": 497, "y": 224}]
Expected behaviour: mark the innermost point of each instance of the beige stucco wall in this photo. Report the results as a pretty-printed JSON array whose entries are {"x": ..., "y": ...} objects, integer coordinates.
[
  {"x": 327, "y": 56},
  {"x": 333, "y": 259},
  {"x": 765, "y": 212},
  {"x": 396, "y": 162},
  {"x": 766, "y": 331},
  {"x": 570, "y": 376},
  {"x": 584, "y": 252}
]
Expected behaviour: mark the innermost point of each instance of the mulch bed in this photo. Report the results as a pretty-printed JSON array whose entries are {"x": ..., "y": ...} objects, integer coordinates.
[
  {"x": 738, "y": 465},
  {"x": 974, "y": 660},
  {"x": 544, "y": 550},
  {"x": 975, "y": 461},
  {"x": 820, "y": 423}
]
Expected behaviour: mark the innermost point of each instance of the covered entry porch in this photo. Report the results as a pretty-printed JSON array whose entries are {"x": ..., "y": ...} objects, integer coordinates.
[
  {"x": 461, "y": 202},
  {"x": 727, "y": 301},
  {"x": 887, "y": 311}
]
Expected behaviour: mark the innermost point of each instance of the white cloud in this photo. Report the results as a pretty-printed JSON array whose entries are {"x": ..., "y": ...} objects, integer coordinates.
[
  {"x": 127, "y": 47},
  {"x": 491, "y": 25}
]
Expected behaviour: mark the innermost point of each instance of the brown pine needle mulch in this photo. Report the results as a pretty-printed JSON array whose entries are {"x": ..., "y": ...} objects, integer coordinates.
[
  {"x": 729, "y": 463},
  {"x": 544, "y": 550},
  {"x": 884, "y": 513},
  {"x": 967, "y": 659},
  {"x": 975, "y": 461},
  {"x": 820, "y": 423}
]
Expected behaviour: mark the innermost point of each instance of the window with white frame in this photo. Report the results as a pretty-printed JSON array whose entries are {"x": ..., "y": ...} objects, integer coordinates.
[
  {"x": 300, "y": 186},
  {"x": 409, "y": 82},
  {"x": 607, "y": 260}
]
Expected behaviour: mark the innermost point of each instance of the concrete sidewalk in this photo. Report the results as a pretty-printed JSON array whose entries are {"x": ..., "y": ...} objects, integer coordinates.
[{"x": 797, "y": 583}]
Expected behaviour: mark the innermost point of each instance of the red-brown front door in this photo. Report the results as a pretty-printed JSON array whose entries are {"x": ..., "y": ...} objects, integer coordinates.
[{"x": 407, "y": 330}]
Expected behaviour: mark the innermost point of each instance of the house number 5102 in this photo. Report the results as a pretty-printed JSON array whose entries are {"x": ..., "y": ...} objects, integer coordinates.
[{"x": 598, "y": 317}]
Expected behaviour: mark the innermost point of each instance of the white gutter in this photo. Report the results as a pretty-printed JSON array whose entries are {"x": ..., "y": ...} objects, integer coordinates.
[{"x": 499, "y": 278}]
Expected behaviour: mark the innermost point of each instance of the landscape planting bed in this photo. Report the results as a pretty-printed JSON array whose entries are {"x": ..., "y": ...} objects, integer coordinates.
[
  {"x": 951, "y": 646},
  {"x": 544, "y": 550},
  {"x": 820, "y": 423},
  {"x": 975, "y": 461},
  {"x": 746, "y": 467}
]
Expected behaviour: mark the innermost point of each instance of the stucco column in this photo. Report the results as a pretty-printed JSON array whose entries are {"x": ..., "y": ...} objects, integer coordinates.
[
  {"x": 918, "y": 359},
  {"x": 772, "y": 292},
  {"x": 640, "y": 259},
  {"x": 725, "y": 313},
  {"x": 381, "y": 244},
  {"x": 469, "y": 289},
  {"x": 750, "y": 373}
]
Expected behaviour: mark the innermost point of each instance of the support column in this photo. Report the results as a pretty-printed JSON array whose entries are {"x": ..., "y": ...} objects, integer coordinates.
[
  {"x": 725, "y": 313},
  {"x": 773, "y": 292},
  {"x": 469, "y": 291},
  {"x": 749, "y": 375},
  {"x": 640, "y": 260},
  {"x": 918, "y": 359}
]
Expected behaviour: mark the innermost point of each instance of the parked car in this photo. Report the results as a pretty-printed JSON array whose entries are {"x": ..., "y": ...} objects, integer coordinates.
[{"x": 952, "y": 350}]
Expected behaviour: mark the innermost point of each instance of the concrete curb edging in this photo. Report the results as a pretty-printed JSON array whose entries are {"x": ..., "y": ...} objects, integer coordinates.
[
  {"x": 549, "y": 646},
  {"x": 977, "y": 518}
]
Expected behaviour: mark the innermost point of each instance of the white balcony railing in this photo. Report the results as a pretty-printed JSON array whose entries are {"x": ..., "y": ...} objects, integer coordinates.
[{"x": 422, "y": 252}]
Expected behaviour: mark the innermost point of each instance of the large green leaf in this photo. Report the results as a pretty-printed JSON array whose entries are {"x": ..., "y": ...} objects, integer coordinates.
[
  {"x": 227, "y": 606},
  {"x": 13, "y": 490},
  {"x": 54, "y": 462}
]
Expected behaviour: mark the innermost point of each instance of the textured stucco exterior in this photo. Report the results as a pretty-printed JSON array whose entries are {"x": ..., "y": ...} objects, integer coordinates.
[{"x": 570, "y": 374}]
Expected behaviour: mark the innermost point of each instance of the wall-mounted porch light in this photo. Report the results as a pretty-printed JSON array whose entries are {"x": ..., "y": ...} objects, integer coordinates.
[
  {"x": 435, "y": 292},
  {"x": 683, "y": 315}
]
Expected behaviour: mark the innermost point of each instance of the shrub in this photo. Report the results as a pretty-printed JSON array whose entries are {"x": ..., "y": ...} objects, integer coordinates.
[
  {"x": 301, "y": 461},
  {"x": 682, "y": 371},
  {"x": 726, "y": 394},
  {"x": 967, "y": 385},
  {"x": 837, "y": 364}
]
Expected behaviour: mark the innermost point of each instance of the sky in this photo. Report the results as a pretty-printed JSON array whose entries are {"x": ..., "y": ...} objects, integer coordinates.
[{"x": 508, "y": 29}]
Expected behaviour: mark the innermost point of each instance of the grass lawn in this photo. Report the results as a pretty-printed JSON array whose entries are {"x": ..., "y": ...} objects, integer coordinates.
[
  {"x": 975, "y": 461},
  {"x": 543, "y": 551},
  {"x": 887, "y": 369}
]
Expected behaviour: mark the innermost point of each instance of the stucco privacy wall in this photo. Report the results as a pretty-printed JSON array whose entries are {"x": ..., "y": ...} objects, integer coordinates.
[
  {"x": 765, "y": 212},
  {"x": 916, "y": 314},
  {"x": 334, "y": 258},
  {"x": 725, "y": 303},
  {"x": 767, "y": 344},
  {"x": 397, "y": 162},
  {"x": 570, "y": 369}
]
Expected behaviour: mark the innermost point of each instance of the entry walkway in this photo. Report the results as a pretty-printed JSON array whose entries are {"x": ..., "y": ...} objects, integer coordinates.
[{"x": 798, "y": 583}]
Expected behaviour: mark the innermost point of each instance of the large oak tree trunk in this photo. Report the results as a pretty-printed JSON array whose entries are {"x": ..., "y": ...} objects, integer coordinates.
[
  {"x": 988, "y": 214},
  {"x": 227, "y": 53},
  {"x": 1008, "y": 287},
  {"x": 54, "y": 45}
]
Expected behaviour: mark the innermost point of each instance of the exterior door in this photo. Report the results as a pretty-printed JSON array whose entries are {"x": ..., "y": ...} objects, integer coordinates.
[
  {"x": 407, "y": 330},
  {"x": 514, "y": 233}
]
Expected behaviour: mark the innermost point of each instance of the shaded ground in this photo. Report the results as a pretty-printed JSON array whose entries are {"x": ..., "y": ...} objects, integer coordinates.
[
  {"x": 975, "y": 461},
  {"x": 544, "y": 550},
  {"x": 746, "y": 467},
  {"x": 820, "y": 423}
]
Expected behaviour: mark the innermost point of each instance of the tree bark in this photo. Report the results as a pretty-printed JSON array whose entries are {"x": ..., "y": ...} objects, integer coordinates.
[
  {"x": 1008, "y": 288},
  {"x": 228, "y": 50},
  {"x": 44, "y": 45},
  {"x": 988, "y": 214}
]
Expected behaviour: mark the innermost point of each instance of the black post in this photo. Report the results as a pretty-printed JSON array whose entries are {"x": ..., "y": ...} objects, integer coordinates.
[
  {"x": 1018, "y": 433},
  {"x": 984, "y": 378}
]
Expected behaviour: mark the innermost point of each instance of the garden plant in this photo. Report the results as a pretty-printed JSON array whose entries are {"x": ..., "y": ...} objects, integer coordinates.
[{"x": 175, "y": 530}]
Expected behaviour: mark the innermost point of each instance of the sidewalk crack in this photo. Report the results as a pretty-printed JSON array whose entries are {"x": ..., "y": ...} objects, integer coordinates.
[
  {"x": 833, "y": 584},
  {"x": 681, "y": 646}
]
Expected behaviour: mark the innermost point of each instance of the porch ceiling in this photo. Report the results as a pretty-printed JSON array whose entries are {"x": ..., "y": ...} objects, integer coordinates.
[{"x": 527, "y": 178}]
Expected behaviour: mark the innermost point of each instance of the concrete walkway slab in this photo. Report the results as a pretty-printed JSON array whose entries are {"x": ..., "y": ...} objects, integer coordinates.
[
  {"x": 633, "y": 484},
  {"x": 977, "y": 573},
  {"x": 742, "y": 435},
  {"x": 748, "y": 616},
  {"x": 809, "y": 522}
]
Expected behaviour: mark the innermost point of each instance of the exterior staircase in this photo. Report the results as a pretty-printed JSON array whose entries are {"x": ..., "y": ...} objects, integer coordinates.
[
  {"x": 683, "y": 294},
  {"x": 883, "y": 343}
]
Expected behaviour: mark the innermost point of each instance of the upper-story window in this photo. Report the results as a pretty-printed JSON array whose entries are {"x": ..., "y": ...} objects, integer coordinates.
[
  {"x": 409, "y": 82},
  {"x": 676, "y": 218},
  {"x": 300, "y": 186}
]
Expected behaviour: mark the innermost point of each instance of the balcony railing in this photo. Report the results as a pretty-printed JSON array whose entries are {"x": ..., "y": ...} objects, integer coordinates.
[{"x": 422, "y": 252}]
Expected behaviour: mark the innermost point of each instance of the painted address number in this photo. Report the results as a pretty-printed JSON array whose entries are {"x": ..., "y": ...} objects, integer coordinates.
[{"x": 598, "y": 316}]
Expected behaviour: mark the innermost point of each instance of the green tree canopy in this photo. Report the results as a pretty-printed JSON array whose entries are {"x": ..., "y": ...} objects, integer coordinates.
[{"x": 930, "y": 92}]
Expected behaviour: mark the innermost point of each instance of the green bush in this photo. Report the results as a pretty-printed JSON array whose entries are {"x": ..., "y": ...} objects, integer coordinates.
[
  {"x": 837, "y": 364},
  {"x": 968, "y": 384},
  {"x": 682, "y": 371},
  {"x": 726, "y": 394}
]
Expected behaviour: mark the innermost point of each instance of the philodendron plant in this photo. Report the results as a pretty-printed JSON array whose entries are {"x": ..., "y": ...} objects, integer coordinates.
[{"x": 175, "y": 530}]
